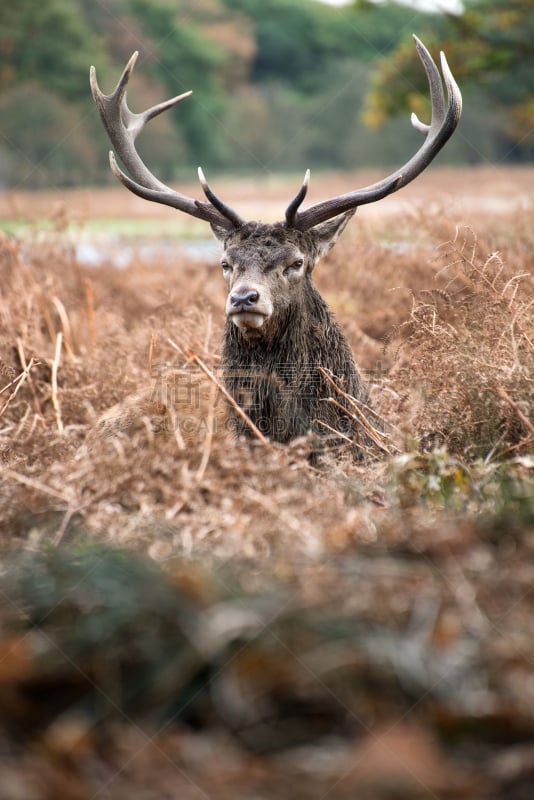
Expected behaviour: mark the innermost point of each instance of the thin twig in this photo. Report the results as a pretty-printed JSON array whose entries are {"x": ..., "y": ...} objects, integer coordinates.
[
  {"x": 175, "y": 422},
  {"x": 90, "y": 305},
  {"x": 33, "y": 483},
  {"x": 513, "y": 405},
  {"x": 18, "y": 382},
  {"x": 358, "y": 404},
  {"x": 227, "y": 396},
  {"x": 55, "y": 367},
  {"x": 333, "y": 430},
  {"x": 209, "y": 435},
  {"x": 70, "y": 512},
  {"x": 65, "y": 325},
  {"x": 14, "y": 381},
  {"x": 41, "y": 301},
  {"x": 151, "y": 350},
  {"x": 208, "y": 334},
  {"x": 22, "y": 357},
  {"x": 360, "y": 420},
  {"x": 375, "y": 435},
  {"x": 527, "y": 441}
]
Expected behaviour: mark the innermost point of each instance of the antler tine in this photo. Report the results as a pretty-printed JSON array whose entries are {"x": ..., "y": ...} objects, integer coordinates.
[
  {"x": 123, "y": 126},
  {"x": 454, "y": 95},
  {"x": 445, "y": 118},
  {"x": 435, "y": 86},
  {"x": 150, "y": 113},
  {"x": 219, "y": 204},
  {"x": 297, "y": 201}
]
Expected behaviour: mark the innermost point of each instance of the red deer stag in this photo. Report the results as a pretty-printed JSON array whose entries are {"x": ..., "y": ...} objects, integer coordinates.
[{"x": 281, "y": 342}]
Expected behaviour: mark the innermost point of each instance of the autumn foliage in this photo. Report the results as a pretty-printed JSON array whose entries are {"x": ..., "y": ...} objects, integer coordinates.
[{"x": 183, "y": 613}]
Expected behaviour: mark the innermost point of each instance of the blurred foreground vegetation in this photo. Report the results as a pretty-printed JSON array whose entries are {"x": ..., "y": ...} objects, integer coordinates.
[
  {"x": 279, "y": 85},
  {"x": 389, "y": 667}
]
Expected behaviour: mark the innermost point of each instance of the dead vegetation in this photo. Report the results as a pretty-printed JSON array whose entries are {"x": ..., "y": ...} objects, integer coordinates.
[
  {"x": 473, "y": 347},
  {"x": 186, "y": 614}
]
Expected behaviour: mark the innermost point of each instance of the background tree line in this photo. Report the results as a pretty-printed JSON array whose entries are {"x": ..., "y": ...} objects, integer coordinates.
[{"x": 278, "y": 85}]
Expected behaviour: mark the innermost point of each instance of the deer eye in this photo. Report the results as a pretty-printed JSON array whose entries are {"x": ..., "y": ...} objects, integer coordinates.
[
  {"x": 294, "y": 267},
  {"x": 226, "y": 267}
]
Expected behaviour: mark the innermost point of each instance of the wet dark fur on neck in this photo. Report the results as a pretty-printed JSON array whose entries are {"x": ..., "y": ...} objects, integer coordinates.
[{"x": 273, "y": 373}]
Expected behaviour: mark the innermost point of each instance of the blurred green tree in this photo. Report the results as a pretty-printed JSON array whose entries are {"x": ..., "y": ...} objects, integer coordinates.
[
  {"x": 48, "y": 147},
  {"x": 181, "y": 59},
  {"x": 489, "y": 47},
  {"x": 298, "y": 41},
  {"x": 45, "y": 49},
  {"x": 46, "y": 43},
  {"x": 280, "y": 84},
  {"x": 309, "y": 76}
]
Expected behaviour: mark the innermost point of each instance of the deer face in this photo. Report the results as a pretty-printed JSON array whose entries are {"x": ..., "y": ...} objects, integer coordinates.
[
  {"x": 266, "y": 266},
  {"x": 263, "y": 272}
]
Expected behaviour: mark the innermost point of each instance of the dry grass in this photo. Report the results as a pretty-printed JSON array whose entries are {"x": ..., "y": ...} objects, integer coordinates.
[
  {"x": 105, "y": 406},
  {"x": 470, "y": 356},
  {"x": 112, "y": 431}
]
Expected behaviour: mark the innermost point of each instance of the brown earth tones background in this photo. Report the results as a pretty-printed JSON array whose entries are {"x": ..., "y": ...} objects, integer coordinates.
[
  {"x": 187, "y": 615},
  {"x": 463, "y": 189}
]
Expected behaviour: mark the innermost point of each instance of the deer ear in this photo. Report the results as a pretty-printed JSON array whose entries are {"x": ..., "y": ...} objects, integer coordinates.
[
  {"x": 326, "y": 234},
  {"x": 221, "y": 234}
]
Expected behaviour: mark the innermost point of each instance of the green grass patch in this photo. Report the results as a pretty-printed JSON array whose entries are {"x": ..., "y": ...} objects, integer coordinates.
[{"x": 124, "y": 227}]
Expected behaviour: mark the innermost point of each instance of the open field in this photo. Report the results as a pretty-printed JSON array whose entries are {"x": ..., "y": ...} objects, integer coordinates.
[
  {"x": 486, "y": 189},
  {"x": 187, "y": 615}
]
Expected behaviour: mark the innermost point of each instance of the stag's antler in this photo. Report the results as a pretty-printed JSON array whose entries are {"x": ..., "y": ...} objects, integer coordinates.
[
  {"x": 442, "y": 126},
  {"x": 123, "y": 127}
]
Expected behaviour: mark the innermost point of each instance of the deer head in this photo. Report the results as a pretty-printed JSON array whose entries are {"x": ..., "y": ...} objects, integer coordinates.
[
  {"x": 266, "y": 266},
  {"x": 280, "y": 339}
]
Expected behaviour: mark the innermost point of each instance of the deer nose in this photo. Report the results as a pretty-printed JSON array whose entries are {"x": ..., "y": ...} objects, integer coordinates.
[{"x": 244, "y": 299}]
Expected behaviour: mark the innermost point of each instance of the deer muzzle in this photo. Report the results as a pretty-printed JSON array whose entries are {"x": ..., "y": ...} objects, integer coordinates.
[{"x": 248, "y": 306}]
